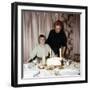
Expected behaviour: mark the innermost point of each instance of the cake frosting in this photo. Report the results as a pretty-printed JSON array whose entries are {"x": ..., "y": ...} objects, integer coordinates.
[{"x": 55, "y": 61}]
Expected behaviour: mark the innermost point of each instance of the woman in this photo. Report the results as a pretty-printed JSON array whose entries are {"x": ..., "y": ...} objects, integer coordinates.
[
  {"x": 40, "y": 50},
  {"x": 57, "y": 38}
]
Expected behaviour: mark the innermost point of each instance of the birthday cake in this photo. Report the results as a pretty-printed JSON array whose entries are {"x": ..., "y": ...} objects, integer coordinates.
[{"x": 55, "y": 61}]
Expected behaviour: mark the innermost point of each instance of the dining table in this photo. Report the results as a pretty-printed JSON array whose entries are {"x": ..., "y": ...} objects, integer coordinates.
[{"x": 70, "y": 68}]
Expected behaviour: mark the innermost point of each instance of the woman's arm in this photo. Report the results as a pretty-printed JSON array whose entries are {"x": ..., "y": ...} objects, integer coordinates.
[
  {"x": 48, "y": 41},
  {"x": 64, "y": 44}
]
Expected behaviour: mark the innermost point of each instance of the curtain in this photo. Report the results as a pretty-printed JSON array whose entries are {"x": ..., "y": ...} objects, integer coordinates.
[{"x": 35, "y": 23}]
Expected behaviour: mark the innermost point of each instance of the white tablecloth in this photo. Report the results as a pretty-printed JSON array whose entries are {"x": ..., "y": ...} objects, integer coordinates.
[{"x": 32, "y": 71}]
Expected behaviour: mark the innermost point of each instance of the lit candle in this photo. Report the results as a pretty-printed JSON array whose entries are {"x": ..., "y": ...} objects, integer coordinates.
[
  {"x": 43, "y": 60},
  {"x": 60, "y": 53}
]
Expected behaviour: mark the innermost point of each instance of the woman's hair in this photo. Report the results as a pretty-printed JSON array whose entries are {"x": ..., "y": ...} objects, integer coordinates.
[
  {"x": 60, "y": 23},
  {"x": 40, "y": 36}
]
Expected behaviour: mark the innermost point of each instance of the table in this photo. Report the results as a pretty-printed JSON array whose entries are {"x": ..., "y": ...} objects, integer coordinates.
[{"x": 32, "y": 71}]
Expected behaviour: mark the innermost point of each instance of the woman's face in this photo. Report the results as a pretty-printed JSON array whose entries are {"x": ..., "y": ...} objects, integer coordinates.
[
  {"x": 42, "y": 40},
  {"x": 58, "y": 28}
]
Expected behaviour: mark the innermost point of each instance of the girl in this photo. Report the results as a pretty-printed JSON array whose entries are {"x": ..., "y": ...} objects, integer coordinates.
[{"x": 41, "y": 50}]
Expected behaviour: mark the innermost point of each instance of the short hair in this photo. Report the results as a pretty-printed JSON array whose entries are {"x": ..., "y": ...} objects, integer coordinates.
[
  {"x": 58, "y": 22},
  {"x": 40, "y": 36}
]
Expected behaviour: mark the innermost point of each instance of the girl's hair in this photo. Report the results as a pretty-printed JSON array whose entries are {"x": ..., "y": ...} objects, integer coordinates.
[{"x": 40, "y": 36}]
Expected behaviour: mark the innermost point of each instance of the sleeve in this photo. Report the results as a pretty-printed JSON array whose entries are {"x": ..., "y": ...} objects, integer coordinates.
[
  {"x": 48, "y": 41},
  {"x": 64, "y": 41},
  {"x": 34, "y": 53},
  {"x": 48, "y": 50}
]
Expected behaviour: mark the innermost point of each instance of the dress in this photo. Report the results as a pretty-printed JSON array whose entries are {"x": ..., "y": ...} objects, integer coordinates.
[
  {"x": 56, "y": 41},
  {"x": 40, "y": 51}
]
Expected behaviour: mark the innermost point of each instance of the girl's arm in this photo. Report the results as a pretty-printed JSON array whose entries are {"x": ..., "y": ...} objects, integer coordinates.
[{"x": 33, "y": 54}]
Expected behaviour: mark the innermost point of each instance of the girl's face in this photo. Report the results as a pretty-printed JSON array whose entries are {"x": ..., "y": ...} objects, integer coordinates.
[
  {"x": 42, "y": 40},
  {"x": 58, "y": 28}
]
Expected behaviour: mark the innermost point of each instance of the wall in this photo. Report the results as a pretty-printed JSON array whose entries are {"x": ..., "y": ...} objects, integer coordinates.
[{"x": 5, "y": 46}]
